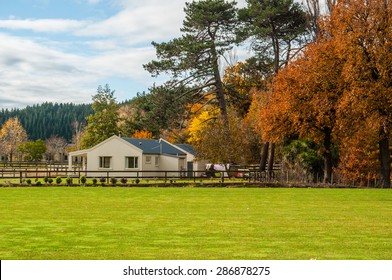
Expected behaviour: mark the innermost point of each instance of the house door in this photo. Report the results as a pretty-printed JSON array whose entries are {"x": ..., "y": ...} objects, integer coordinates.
[{"x": 189, "y": 167}]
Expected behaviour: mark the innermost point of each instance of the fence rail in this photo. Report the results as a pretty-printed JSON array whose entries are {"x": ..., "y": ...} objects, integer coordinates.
[
  {"x": 167, "y": 175},
  {"x": 22, "y": 171}
]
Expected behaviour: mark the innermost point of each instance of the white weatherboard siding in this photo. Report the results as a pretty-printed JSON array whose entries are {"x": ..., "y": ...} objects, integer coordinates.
[
  {"x": 115, "y": 148},
  {"x": 172, "y": 163},
  {"x": 118, "y": 150},
  {"x": 150, "y": 165}
]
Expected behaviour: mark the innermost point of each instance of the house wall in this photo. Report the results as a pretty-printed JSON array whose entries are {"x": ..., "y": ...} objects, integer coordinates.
[
  {"x": 172, "y": 163},
  {"x": 199, "y": 165},
  {"x": 118, "y": 150},
  {"x": 151, "y": 167}
]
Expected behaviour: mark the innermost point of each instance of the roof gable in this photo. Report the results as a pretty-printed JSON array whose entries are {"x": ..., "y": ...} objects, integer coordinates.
[{"x": 79, "y": 152}]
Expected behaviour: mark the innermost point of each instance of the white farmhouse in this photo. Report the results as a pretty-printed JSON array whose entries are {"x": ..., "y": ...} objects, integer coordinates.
[{"x": 123, "y": 157}]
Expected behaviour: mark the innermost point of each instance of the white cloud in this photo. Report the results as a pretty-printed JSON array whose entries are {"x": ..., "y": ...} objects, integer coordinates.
[
  {"x": 139, "y": 24},
  {"x": 42, "y": 25},
  {"x": 32, "y": 73},
  {"x": 50, "y": 68}
]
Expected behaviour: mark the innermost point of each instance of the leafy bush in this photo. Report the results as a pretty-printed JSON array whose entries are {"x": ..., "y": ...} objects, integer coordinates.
[
  {"x": 113, "y": 180},
  {"x": 46, "y": 180},
  {"x": 38, "y": 183},
  {"x": 59, "y": 180},
  {"x": 124, "y": 180},
  {"x": 69, "y": 181},
  {"x": 137, "y": 181},
  {"x": 50, "y": 180},
  {"x": 83, "y": 180},
  {"x": 28, "y": 181},
  {"x": 102, "y": 180},
  {"x": 95, "y": 180}
]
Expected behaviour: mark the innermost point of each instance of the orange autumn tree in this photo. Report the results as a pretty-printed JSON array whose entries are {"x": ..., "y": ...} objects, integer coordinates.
[
  {"x": 359, "y": 155},
  {"x": 363, "y": 37},
  {"x": 142, "y": 134},
  {"x": 304, "y": 101}
]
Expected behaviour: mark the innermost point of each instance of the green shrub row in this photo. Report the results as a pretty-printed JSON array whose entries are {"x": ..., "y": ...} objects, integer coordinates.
[{"x": 83, "y": 180}]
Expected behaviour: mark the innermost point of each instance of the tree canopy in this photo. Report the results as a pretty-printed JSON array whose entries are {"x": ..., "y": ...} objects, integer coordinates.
[
  {"x": 12, "y": 135},
  {"x": 102, "y": 124},
  {"x": 195, "y": 58}
]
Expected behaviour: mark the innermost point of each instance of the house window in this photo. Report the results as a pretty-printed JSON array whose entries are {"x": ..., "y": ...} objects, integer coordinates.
[
  {"x": 105, "y": 162},
  {"x": 157, "y": 161},
  {"x": 131, "y": 162},
  {"x": 148, "y": 159}
]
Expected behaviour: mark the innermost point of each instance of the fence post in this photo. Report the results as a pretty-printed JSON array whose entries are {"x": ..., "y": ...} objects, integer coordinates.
[
  {"x": 107, "y": 177},
  {"x": 20, "y": 177}
]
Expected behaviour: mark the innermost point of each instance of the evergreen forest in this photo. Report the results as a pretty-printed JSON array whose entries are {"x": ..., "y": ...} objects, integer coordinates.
[{"x": 45, "y": 120}]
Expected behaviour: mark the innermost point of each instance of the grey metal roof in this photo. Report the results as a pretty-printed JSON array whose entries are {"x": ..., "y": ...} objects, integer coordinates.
[
  {"x": 152, "y": 146},
  {"x": 187, "y": 148}
]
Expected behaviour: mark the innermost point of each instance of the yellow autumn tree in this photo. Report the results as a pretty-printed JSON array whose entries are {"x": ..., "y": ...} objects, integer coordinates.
[
  {"x": 214, "y": 142},
  {"x": 240, "y": 80},
  {"x": 200, "y": 118},
  {"x": 12, "y": 135}
]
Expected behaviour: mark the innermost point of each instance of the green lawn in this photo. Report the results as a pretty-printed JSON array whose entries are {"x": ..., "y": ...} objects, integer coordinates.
[{"x": 195, "y": 223}]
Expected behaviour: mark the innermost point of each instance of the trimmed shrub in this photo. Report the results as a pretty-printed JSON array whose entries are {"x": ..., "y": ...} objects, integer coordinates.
[
  {"x": 113, "y": 180},
  {"x": 69, "y": 181},
  {"x": 38, "y": 183},
  {"x": 102, "y": 180},
  {"x": 137, "y": 181},
  {"x": 83, "y": 180},
  {"x": 28, "y": 181},
  {"x": 95, "y": 180},
  {"x": 50, "y": 180},
  {"x": 124, "y": 181},
  {"x": 59, "y": 180},
  {"x": 46, "y": 180}
]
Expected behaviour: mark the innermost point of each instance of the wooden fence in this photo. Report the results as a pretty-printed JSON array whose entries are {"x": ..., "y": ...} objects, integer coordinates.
[
  {"x": 40, "y": 171},
  {"x": 22, "y": 171}
]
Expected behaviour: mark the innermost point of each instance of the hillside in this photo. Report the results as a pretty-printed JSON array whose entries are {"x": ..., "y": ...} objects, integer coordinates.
[{"x": 47, "y": 119}]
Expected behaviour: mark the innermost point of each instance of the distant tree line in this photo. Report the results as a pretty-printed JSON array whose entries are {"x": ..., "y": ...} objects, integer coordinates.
[{"x": 48, "y": 119}]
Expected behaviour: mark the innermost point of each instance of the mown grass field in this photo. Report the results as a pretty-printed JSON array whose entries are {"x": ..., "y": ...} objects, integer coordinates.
[{"x": 195, "y": 223}]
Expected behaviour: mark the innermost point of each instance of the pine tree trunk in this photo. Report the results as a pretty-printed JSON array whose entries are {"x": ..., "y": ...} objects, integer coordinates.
[
  {"x": 385, "y": 158},
  {"x": 220, "y": 91}
]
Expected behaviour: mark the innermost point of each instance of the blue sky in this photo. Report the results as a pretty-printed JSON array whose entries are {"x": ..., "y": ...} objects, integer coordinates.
[{"x": 62, "y": 50}]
